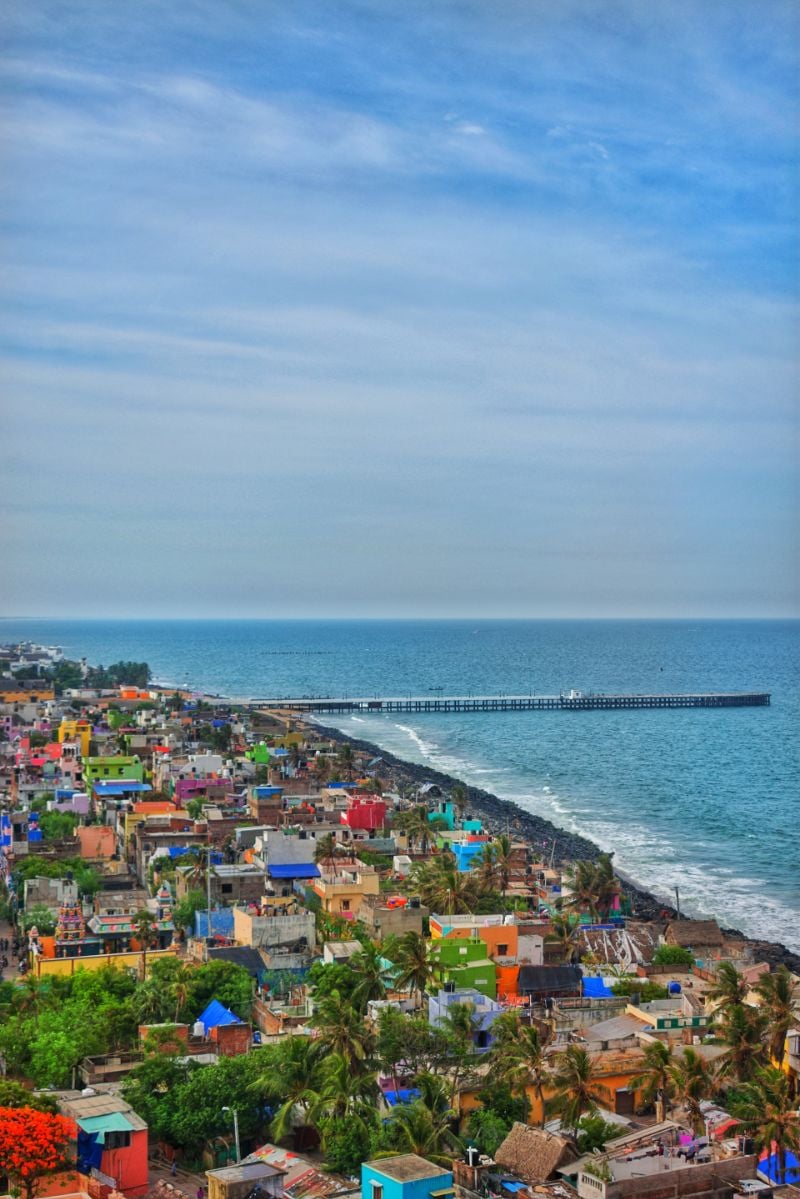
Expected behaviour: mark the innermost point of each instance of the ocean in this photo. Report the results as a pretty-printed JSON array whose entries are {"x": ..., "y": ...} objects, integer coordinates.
[{"x": 705, "y": 800}]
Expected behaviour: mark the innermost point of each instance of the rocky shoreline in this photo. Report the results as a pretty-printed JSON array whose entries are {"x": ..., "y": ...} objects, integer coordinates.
[{"x": 501, "y": 815}]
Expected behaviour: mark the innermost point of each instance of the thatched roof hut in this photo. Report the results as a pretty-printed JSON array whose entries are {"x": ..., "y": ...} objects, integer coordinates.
[{"x": 533, "y": 1154}]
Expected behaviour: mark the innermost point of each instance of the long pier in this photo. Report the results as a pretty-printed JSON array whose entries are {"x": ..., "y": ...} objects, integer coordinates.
[{"x": 572, "y": 701}]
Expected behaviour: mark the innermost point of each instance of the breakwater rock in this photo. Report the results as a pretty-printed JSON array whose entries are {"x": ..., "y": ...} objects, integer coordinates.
[{"x": 503, "y": 815}]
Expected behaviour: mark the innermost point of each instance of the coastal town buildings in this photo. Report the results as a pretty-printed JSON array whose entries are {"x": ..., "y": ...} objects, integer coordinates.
[{"x": 260, "y": 892}]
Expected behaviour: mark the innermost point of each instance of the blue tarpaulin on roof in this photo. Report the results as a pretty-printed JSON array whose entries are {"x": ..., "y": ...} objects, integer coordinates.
[
  {"x": 595, "y": 988},
  {"x": 294, "y": 870},
  {"x": 178, "y": 851},
  {"x": 771, "y": 1166},
  {"x": 216, "y": 1015},
  {"x": 221, "y": 922},
  {"x": 404, "y": 1095}
]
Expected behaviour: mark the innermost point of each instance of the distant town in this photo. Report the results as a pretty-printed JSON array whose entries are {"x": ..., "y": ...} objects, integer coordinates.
[{"x": 243, "y": 957}]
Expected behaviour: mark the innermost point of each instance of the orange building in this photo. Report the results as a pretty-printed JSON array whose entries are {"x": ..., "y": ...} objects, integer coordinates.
[{"x": 96, "y": 841}]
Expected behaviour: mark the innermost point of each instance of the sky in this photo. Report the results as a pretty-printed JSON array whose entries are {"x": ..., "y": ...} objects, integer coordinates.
[{"x": 380, "y": 308}]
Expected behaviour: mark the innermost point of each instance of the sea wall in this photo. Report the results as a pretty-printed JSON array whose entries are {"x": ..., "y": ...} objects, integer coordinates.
[{"x": 499, "y": 815}]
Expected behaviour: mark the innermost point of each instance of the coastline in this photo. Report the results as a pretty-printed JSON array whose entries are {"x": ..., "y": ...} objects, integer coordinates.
[{"x": 501, "y": 815}]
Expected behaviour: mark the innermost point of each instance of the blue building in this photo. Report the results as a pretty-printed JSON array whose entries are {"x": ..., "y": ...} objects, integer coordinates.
[
  {"x": 405, "y": 1176},
  {"x": 485, "y": 1012},
  {"x": 466, "y": 852}
]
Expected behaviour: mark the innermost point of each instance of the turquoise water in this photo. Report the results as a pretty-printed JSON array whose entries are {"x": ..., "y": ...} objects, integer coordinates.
[{"x": 706, "y": 800}]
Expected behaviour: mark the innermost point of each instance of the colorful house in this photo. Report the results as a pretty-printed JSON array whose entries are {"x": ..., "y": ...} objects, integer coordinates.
[
  {"x": 112, "y": 769},
  {"x": 501, "y": 939},
  {"x": 367, "y": 813},
  {"x": 406, "y": 1176},
  {"x": 25, "y": 691},
  {"x": 266, "y": 804},
  {"x": 343, "y": 885},
  {"x": 484, "y": 1013},
  {"x": 467, "y": 853},
  {"x": 76, "y": 730},
  {"x": 463, "y": 964},
  {"x": 96, "y": 841},
  {"x": 111, "y": 1141}
]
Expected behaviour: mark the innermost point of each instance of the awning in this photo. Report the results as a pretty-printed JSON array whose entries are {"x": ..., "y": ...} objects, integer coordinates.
[
  {"x": 294, "y": 870},
  {"x": 98, "y": 1126},
  {"x": 122, "y": 787}
]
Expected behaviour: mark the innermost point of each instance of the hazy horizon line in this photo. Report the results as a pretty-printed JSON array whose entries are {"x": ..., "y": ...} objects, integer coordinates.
[{"x": 468, "y": 619}]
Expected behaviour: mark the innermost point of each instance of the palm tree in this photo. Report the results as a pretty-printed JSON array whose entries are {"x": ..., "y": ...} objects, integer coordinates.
[
  {"x": 693, "y": 1082},
  {"x": 460, "y": 1025},
  {"x": 575, "y": 1085},
  {"x": 654, "y": 1082},
  {"x": 322, "y": 768},
  {"x": 198, "y": 873},
  {"x": 458, "y": 798},
  {"x": 517, "y": 1057},
  {"x": 414, "y": 1128},
  {"x": 730, "y": 988},
  {"x": 445, "y": 889},
  {"x": 411, "y": 957},
  {"x": 504, "y": 853},
  {"x": 345, "y": 759},
  {"x": 341, "y": 1029},
  {"x": 325, "y": 849},
  {"x": 741, "y": 1031},
  {"x": 593, "y": 886},
  {"x": 417, "y": 826},
  {"x": 181, "y": 988},
  {"x": 146, "y": 935},
  {"x": 433, "y": 1091},
  {"x": 28, "y": 996},
  {"x": 341, "y": 1092},
  {"x": 780, "y": 997},
  {"x": 767, "y": 1111},
  {"x": 565, "y": 930},
  {"x": 292, "y": 1075},
  {"x": 370, "y": 973},
  {"x": 149, "y": 1002}
]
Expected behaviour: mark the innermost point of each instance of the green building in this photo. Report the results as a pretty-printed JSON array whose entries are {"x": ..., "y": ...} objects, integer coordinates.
[
  {"x": 463, "y": 963},
  {"x": 112, "y": 770}
]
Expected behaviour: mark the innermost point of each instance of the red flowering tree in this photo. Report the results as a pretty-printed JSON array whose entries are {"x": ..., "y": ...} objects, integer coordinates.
[{"x": 32, "y": 1145}]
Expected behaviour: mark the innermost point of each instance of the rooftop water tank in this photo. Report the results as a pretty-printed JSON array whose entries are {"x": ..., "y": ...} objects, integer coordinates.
[
  {"x": 673, "y": 988},
  {"x": 198, "y": 1029}
]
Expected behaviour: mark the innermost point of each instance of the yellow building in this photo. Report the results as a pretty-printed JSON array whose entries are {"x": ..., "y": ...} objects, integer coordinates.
[
  {"x": 613, "y": 1071},
  {"x": 17, "y": 693},
  {"x": 342, "y": 886},
  {"x": 76, "y": 730}
]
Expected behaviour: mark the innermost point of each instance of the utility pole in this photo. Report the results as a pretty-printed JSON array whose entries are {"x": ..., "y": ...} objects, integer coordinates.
[
  {"x": 678, "y": 902},
  {"x": 208, "y": 895},
  {"x": 235, "y": 1115}
]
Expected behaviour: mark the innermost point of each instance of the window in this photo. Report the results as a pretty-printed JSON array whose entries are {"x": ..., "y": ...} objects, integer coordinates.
[
  {"x": 346, "y": 908},
  {"x": 227, "y": 888},
  {"x": 118, "y": 1140},
  {"x": 377, "y": 1190},
  {"x": 502, "y": 950}
]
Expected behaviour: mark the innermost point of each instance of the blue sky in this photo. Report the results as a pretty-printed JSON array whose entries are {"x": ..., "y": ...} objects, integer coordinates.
[{"x": 398, "y": 309}]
